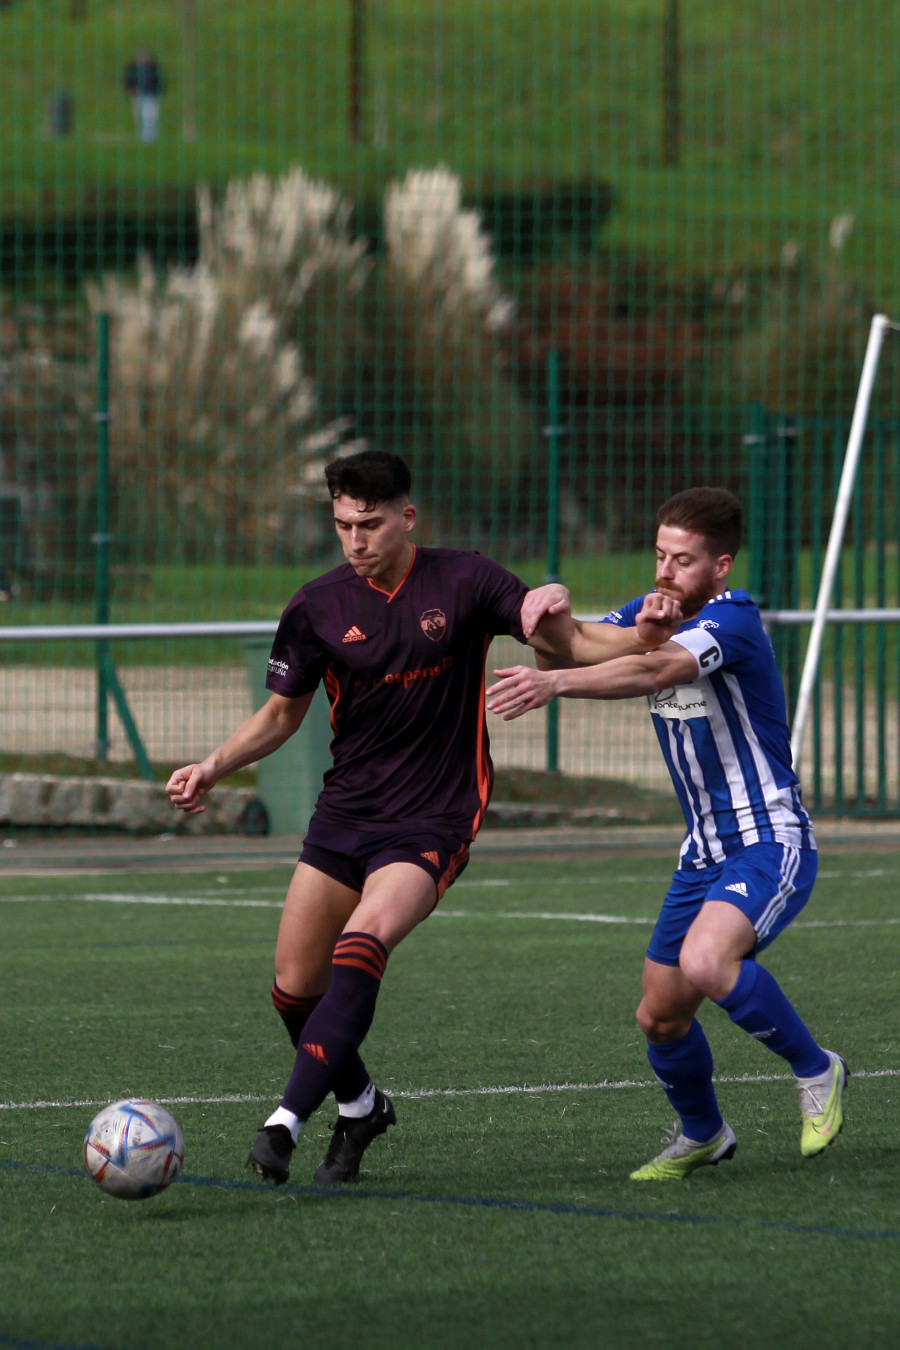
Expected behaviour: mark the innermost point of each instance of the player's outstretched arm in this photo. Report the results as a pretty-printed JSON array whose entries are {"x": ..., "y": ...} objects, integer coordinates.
[
  {"x": 658, "y": 619},
  {"x": 553, "y": 598},
  {"x": 268, "y": 728},
  {"x": 520, "y": 689},
  {"x": 559, "y": 639}
]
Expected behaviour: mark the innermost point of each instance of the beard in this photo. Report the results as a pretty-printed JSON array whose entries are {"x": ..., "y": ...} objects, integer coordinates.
[{"x": 691, "y": 601}]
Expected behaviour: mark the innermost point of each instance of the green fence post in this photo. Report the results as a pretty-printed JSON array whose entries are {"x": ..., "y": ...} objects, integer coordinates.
[
  {"x": 817, "y": 551},
  {"x": 859, "y": 653},
  {"x": 881, "y": 694},
  {"x": 839, "y": 442},
  {"x": 553, "y": 430},
  {"x": 787, "y": 649},
  {"x": 108, "y": 685},
  {"x": 102, "y": 538},
  {"x": 289, "y": 781},
  {"x": 774, "y": 530},
  {"x": 757, "y": 515},
  {"x": 892, "y": 504}
]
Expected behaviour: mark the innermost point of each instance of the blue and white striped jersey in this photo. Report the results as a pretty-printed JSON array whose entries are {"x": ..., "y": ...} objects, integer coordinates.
[{"x": 725, "y": 736}]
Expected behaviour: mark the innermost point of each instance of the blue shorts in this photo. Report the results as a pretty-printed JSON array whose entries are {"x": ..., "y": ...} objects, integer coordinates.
[
  {"x": 770, "y": 883},
  {"x": 349, "y": 855}
]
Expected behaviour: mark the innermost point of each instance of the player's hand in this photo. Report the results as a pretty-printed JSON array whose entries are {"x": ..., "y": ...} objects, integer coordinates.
[
  {"x": 520, "y": 689},
  {"x": 660, "y": 616},
  {"x": 187, "y": 786},
  {"x": 550, "y": 599}
]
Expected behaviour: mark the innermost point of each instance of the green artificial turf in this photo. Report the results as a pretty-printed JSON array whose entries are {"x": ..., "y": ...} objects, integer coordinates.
[{"x": 499, "y": 1211}]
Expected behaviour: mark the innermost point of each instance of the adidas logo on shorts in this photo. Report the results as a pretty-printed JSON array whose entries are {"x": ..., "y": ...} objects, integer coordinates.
[{"x": 740, "y": 887}]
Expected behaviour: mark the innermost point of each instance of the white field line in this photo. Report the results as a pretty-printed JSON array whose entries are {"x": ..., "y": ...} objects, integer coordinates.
[
  {"x": 254, "y": 901},
  {"x": 420, "y": 1094},
  {"x": 113, "y": 898},
  {"x": 471, "y": 883},
  {"x": 550, "y": 916}
]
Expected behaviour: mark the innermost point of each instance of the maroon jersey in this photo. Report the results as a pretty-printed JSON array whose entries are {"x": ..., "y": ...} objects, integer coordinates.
[{"x": 404, "y": 673}]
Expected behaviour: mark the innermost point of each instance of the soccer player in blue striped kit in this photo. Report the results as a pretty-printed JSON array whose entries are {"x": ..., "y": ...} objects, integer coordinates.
[
  {"x": 398, "y": 635},
  {"x": 748, "y": 860}
]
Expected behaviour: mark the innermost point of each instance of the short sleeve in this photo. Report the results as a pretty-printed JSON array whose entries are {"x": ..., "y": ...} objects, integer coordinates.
[
  {"x": 626, "y": 616},
  {"x": 500, "y": 595},
  {"x": 726, "y": 635},
  {"x": 297, "y": 662},
  {"x": 703, "y": 647}
]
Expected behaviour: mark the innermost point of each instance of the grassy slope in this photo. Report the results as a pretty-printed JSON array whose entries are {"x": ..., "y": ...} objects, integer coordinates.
[{"x": 787, "y": 111}]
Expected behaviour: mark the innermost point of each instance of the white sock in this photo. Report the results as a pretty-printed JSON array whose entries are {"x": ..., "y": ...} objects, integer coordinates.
[
  {"x": 361, "y": 1107},
  {"x": 282, "y": 1116}
]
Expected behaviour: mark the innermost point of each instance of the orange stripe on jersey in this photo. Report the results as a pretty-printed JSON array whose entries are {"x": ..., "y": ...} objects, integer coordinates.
[
  {"x": 390, "y": 594},
  {"x": 482, "y": 762},
  {"x": 333, "y": 690}
]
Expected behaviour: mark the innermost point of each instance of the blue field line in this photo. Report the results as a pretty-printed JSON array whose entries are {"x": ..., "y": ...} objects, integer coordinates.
[
  {"x": 26, "y": 1343},
  {"x": 495, "y": 1202},
  {"x": 205, "y": 942}
]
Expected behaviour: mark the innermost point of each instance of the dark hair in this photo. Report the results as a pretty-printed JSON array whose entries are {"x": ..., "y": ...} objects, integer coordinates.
[
  {"x": 369, "y": 476},
  {"x": 713, "y": 512}
]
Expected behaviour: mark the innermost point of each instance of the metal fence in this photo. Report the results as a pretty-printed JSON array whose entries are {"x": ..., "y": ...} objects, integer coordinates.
[{"x": 561, "y": 254}]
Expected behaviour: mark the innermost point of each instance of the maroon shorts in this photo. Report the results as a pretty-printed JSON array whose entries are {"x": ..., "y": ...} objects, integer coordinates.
[{"x": 350, "y": 855}]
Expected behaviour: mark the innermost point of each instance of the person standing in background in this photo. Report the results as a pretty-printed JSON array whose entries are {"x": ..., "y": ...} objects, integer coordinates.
[{"x": 143, "y": 82}]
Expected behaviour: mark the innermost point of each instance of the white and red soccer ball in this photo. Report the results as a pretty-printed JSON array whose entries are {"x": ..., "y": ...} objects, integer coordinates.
[{"x": 134, "y": 1149}]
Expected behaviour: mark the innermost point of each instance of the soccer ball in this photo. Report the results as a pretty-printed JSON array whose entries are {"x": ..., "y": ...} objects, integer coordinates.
[{"x": 134, "y": 1149}]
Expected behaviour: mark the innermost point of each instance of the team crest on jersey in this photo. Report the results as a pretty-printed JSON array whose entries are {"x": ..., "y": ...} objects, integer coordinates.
[{"x": 434, "y": 624}]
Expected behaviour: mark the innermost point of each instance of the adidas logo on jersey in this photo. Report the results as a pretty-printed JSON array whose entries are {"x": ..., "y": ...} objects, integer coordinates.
[
  {"x": 740, "y": 887},
  {"x": 354, "y": 634}
]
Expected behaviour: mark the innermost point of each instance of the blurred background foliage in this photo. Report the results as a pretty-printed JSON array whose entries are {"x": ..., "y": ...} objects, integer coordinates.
[{"x": 372, "y": 222}]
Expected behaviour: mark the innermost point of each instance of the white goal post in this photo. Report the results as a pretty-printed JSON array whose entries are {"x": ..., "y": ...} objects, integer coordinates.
[{"x": 879, "y": 326}]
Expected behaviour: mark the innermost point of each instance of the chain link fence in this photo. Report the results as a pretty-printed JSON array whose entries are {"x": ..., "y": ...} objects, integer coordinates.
[{"x": 562, "y": 256}]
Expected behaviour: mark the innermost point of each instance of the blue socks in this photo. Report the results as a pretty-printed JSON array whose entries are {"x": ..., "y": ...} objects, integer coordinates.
[
  {"x": 684, "y": 1069},
  {"x": 758, "y": 1006}
]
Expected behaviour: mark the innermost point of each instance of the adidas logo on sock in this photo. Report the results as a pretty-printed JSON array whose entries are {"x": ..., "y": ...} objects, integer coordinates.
[
  {"x": 740, "y": 887},
  {"x": 354, "y": 634},
  {"x": 316, "y": 1051}
]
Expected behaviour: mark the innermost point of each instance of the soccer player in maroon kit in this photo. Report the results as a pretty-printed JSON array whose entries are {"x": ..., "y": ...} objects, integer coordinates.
[{"x": 399, "y": 635}]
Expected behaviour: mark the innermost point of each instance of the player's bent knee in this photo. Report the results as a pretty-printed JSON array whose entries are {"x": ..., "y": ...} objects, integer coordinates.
[
  {"x": 301, "y": 980},
  {"x": 647, "y": 1023},
  {"x": 660, "y": 1025},
  {"x": 705, "y": 969}
]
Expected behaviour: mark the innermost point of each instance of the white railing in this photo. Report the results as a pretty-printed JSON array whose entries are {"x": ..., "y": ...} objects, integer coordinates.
[{"x": 106, "y": 632}]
